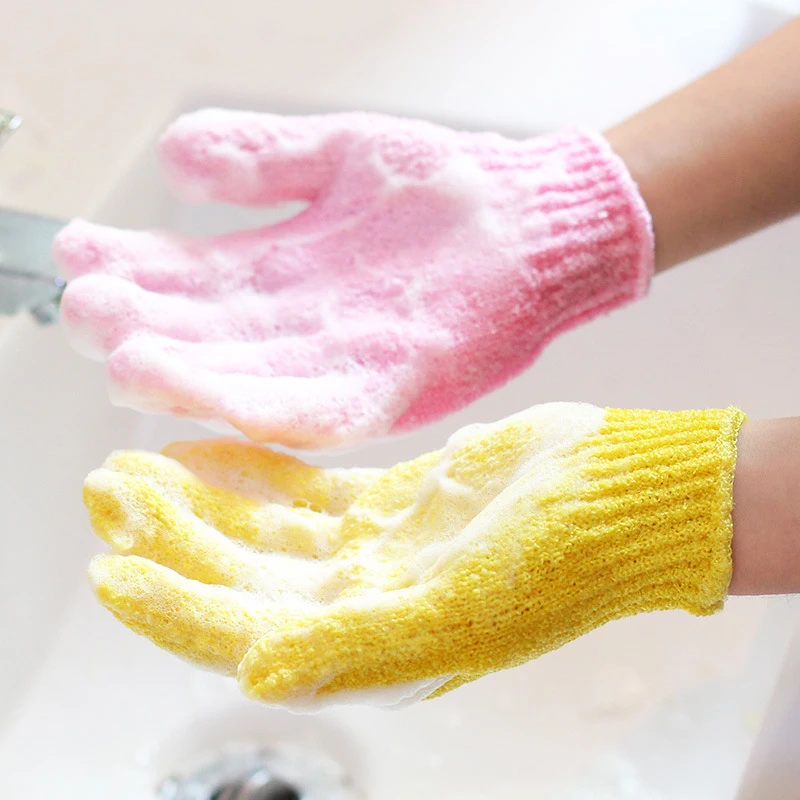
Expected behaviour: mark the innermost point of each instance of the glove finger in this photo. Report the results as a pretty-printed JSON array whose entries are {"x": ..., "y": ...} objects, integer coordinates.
[
  {"x": 270, "y": 502},
  {"x": 384, "y": 654},
  {"x": 100, "y": 312},
  {"x": 265, "y": 476},
  {"x": 136, "y": 517},
  {"x": 212, "y": 626},
  {"x": 252, "y": 159},
  {"x": 155, "y": 261},
  {"x": 300, "y": 412}
]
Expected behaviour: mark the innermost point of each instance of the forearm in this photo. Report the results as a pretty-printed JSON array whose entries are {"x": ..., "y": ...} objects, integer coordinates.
[
  {"x": 766, "y": 513},
  {"x": 720, "y": 158}
]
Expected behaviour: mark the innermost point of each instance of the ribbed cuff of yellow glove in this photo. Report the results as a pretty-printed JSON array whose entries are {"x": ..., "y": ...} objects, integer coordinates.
[
  {"x": 656, "y": 497},
  {"x": 641, "y": 522}
]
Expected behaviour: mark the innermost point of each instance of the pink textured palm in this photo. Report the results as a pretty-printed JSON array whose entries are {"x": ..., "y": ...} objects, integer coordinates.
[{"x": 430, "y": 267}]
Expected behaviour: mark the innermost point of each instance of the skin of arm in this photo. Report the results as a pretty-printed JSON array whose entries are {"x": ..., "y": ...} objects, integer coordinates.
[
  {"x": 720, "y": 158},
  {"x": 766, "y": 508}
]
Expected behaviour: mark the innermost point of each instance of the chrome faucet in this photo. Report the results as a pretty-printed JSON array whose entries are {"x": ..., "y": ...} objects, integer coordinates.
[{"x": 28, "y": 277}]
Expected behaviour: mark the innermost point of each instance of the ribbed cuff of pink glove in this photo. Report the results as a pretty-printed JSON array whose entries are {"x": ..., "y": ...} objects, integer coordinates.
[{"x": 600, "y": 242}]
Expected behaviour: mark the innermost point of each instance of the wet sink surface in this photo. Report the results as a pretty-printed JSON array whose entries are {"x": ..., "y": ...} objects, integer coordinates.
[{"x": 663, "y": 706}]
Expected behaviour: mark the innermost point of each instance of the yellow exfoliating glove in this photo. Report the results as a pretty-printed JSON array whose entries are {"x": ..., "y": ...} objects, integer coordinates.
[{"x": 319, "y": 586}]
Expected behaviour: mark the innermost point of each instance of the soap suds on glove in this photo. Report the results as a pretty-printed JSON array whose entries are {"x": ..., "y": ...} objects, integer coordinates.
[{"x": 430, "y": 267}]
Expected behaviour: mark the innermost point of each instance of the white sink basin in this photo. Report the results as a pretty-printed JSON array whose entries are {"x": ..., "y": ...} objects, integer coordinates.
[{"x": 661, "y": 706}]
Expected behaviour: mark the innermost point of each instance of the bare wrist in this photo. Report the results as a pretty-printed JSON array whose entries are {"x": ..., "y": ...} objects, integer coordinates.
[{"x": 766, "y": 511}]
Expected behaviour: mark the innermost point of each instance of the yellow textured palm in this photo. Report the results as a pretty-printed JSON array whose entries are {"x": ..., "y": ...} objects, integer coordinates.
[{"x": 316, "y": 586}]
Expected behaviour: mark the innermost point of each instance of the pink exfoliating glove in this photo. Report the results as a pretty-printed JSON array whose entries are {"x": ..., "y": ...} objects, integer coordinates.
[{"x": 430, "y": 267}]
